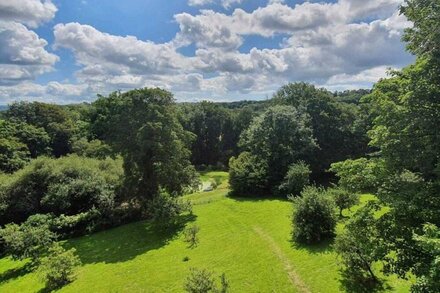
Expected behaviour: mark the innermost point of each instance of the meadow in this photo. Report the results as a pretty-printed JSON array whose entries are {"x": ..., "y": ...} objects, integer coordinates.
[{"x": 248, "y": 239}]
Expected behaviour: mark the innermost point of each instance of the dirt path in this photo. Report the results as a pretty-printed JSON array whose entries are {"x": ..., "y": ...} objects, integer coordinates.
[{"x": 293, "y": 276}]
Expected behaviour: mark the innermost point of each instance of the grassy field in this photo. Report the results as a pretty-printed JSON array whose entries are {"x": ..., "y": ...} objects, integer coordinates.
[{"x": 248, "y": 239}]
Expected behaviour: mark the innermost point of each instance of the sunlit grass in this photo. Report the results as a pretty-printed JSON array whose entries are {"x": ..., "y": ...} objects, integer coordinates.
[{"x": 248, "y": 239}]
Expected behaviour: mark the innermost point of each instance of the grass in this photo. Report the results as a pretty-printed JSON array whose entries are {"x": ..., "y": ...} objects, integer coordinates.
[{"x": 248, "y": 239}]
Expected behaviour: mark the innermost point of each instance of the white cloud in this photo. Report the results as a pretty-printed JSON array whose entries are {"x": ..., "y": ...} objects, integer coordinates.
[
  {"x": 22, "y": 54},
  {"x": 29, "y": 12},
  {"x": 344, "y": 44}
]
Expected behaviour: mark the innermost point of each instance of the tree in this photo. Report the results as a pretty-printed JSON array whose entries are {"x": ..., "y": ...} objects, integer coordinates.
[
  {"x": 157, "y": 155},
  {"x": 422, "y": 38},
  {"x": 343, "y": 199},
  {"x": 275, "y": 140},
  {"x": 54, "y": 119},
  {"x": 297, "y": 177},
  {"x": 19, "y": 142},
  {"x": 360, "y": 175},
  {"x": 208, "y": 121},
  {"x": 405, "y": 117},
  {"x": 313, "y": 217},
  {"x": 13, "y": 155},
  {"x": 359, "y": 246},
  {"x": 429, "y": 272},
  {"x": 58, "y": 267},
  {"x": 247, "y": 175},
  {"x": 333, "y": 123}
]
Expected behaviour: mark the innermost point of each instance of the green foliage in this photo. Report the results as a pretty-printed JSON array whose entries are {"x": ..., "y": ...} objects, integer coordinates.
[
  {"x": 429, "y": 272},
  {"x": 199, "y": 281},
  {"x": 361, "y": 175},
  {"x": 202, "y": 281},
  {"x": 296, "y": 179},
  {"x": 29, "y": 240},
  {"x": 64, "y": 187},
  {"x": 248, "y": 175},
  {"x": 91, "y": 149},
  {"x": 423, "y": 38},
  {"x": 58, "y": 267},
  {"x": 343, "y": 199},
  {"x": 164, "y": 209},
  {"x": 313, "y": 218},
  {"x": 274, "y": 140},
  {"x": 157, "y": 155},
  {"x": 13, "y": 155},
  {"x": 335, "y": 125},
  {"x": 359, "y": 246},
  {"x": 55, "y": 121},
  {"x": 191, "y": 235}
]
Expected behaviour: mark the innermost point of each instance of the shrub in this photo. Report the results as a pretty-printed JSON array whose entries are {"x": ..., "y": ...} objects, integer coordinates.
[
  {"x": 165, "y": 209},
  {"x": 57, "y": 269},
  {"x": 247, "y": 175},
  {"x": 199, "y": 281},
  {"x": 202, "y": 281},
  {"x": 296, "y": 179},
  {"x": 313, "y": 217},
  {"x": 29, "y": 240},
  {"x": 66, "y": 186},
  {"x": 191, "y": 235},
  {"x": 343, "y": 199}
]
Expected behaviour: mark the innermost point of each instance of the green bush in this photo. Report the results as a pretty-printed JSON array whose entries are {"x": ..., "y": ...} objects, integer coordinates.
[
  {"x": 29, "y": 240},
  {"x": 202, "y": 281},
  {"x": 313, "y": 218},
  {"x": 68, "y": 186},
  {"x": 247, "y": 175},
  {"x": 296, "y": 179},
  {"x": 165, "y": 209},
  {"x": 58, "y": 267}
]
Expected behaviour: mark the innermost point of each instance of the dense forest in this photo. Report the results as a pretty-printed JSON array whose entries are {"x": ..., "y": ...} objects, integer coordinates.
[{"x": 70, "y": 170}]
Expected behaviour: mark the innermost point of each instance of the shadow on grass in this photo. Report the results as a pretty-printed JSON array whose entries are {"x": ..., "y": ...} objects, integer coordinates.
[
  {"x": 357, "y": 285},
  {"x": 15, "y": 273},
  {"x": 125, "y": 242},
  {"x": 324, "y": 247}
]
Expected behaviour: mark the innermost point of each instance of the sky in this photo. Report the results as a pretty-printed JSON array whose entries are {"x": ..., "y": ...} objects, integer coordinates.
[{"x": 68, "y": 51}]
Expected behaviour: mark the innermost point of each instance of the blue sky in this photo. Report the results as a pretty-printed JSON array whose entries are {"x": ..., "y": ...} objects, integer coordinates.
[{"x": 68, "y": 51}]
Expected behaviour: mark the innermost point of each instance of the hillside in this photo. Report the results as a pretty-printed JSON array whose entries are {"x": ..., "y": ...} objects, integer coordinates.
[{"x": 248, "y": 239}]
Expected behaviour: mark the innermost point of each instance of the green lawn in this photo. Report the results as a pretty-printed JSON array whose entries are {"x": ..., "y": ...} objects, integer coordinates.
[{"x": 248, "y": 239}]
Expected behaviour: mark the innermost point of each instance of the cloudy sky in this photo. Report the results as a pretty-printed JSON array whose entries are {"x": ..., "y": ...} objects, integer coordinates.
[{"x": 69, "y": 50}]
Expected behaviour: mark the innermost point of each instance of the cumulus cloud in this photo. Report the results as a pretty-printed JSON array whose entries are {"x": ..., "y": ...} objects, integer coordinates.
[
  {"x": 22, "y": 54},
  {"x": 29, "y": 12},
  {"x": 52, "y": 92},
  {"x": 101, "y": 52},
  {"x": 340, "y": 44}
]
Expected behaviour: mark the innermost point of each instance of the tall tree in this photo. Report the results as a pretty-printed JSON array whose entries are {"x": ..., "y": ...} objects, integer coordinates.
[
  {"x": 276, "y": 139},
  {"x": 142, "y": 125}
]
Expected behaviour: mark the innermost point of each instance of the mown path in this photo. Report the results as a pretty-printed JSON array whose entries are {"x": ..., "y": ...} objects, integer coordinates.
[{"x": 292, "y": 274}]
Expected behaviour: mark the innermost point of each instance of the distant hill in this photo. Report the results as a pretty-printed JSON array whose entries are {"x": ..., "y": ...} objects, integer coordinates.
[{"x": 3, "y": 107}]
